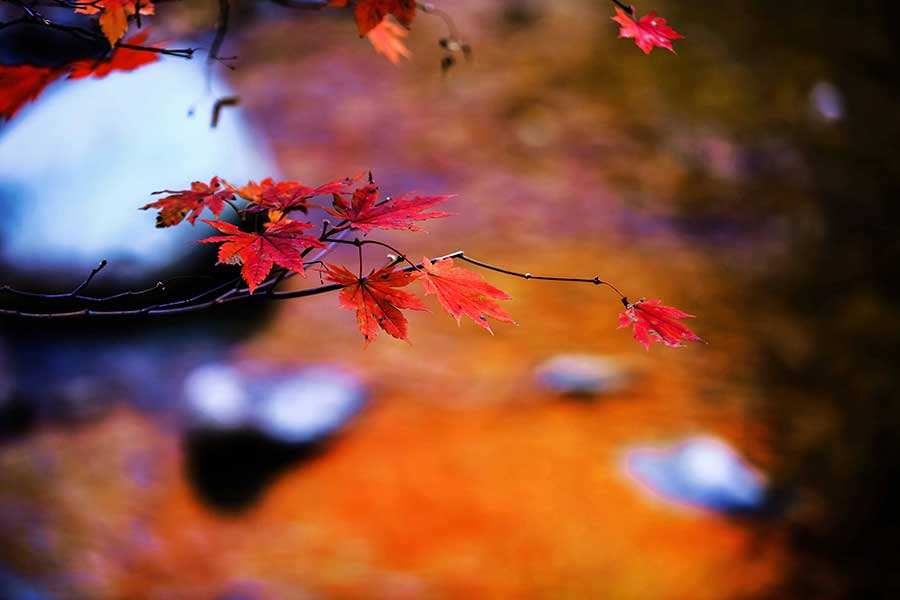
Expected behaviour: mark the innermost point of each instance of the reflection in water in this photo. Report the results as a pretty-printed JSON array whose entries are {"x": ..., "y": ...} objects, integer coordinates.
[
  {"x": 703, "y": 471},
  {"x": 76, "y": 165},
  {"x": 249, "y": 425},
  {"x": 293, "y": 406}
]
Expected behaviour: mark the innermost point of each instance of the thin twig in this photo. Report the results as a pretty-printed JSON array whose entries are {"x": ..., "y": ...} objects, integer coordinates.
[
  {"x": 238, "y": 293},
  {"x": 595, "y": 280},
  {"x": 626, "y": 7},
  {"x": 88, "y": 35},
  {"x": 219, "y": 39}
]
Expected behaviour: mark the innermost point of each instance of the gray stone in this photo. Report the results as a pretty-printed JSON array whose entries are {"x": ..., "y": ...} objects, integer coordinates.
[{"x": 581, "y": 375}]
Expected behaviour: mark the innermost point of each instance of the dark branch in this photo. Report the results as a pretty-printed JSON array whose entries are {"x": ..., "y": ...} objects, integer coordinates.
[
  {"x": 627, "y": 8},
  {"x": 31, "y": 18},
  {"x": 219, "y": 39}
]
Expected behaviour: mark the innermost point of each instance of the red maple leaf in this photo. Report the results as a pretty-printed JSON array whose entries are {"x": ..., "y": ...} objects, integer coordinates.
[
  {"x": 280, "y": 197},
  {"x": 376, "y": 299},
  {"x": 120, "y": 59},
  {"x": 365, "y": 213},
  {"x": 654, "y": 322},
  {"x": 20, "y": 84},
  {"x": 463, "y": 292},
  {"x": 114, "y": 18},
  {"x": 190, "y": 203},
  {"x": 648, "y": 32},
  {"x": 369, "y": 13},
  {"x": 281, "y": 244}
]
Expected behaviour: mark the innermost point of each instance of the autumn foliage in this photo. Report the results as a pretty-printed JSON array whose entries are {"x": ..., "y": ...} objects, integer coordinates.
[
  {"x": 653, "y": 322},
  {"x": 383, "y": 22},
  {"x": 276, "y": 234},
  {"x": 275, "y": 240},
  {"x": 114, "y": 15}
]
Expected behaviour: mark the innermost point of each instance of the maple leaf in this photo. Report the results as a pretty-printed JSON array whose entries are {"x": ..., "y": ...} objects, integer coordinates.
[
  {"x": 648, "y": 32},
  {"x": 364, "y": 213},
  {"x": 463, "y": 292},
  {"x": 281, "y": 244},
  {"x": 387, "y": 39},
  {"x": 114, "y": 18},
  {"x": 369, "y": 13},
  {"x": 21, "y": 84},
  {"x": 376, "y": 299},
  {"x": 120, "y": 59},
  {"x": 653, "y": 322},
  {"x": 190, "y": 203},
  {"x": 280, "y": 197}
]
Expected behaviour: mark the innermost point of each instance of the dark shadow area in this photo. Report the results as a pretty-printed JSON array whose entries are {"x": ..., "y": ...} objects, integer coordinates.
[{"x": 231, "y": 470}]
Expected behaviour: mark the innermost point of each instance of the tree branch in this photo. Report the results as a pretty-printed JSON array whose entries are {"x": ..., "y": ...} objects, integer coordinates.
[
  {"x": 237, "y": 293},
  {"x": 32, "y": 18}
]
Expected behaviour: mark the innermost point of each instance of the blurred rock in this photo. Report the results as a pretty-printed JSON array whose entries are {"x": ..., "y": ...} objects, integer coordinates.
[
  {"x": 827, "y": 101},
  {"x": 68, "y": 205},
  {"x": 215, "y": 397},
  {"x": 703, "y": 471},
  {"x": 248, "y": 425},
  {"x": 13, "y": 587},
  {"x": 294, "y": 407},
  {"x": 308, "y": 405},
  {"x": 581, "y": 375}
]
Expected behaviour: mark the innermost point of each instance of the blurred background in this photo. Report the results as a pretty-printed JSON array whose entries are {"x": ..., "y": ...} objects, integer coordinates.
[{"x": 261, "y": 452}]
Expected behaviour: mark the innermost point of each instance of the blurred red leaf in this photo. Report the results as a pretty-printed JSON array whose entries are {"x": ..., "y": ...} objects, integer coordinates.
[
  {"x": 648, "y": 32},
  {"x": 280, "y": 197},
  {"x": 653, "y": 322},
  {"x": 120, "y": 59},
  {"x": 21, "y": 84},
  {"x": 281, "y": 244},
  {"x": 376, "y": 300},
  {"x": 364, "y": 213},
  {"x": 190, "y": 203},
  {"x": 369, "y": 13},
  {"x": 463, "y": 292},
  {"x": 387, "y": 39}
]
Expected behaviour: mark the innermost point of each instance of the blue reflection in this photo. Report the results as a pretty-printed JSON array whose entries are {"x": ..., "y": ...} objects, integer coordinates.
[
  {"x": 703, "y": 471},
  {"x": 308, "y": 406},
  {"x": 294, "y": 407}
]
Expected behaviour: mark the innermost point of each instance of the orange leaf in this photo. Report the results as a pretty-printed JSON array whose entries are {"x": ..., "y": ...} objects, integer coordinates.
[
  {"x": 376, "y": 300},
  {"x": 190, "y": 203},
  {"x": 114, "y": 18},
  {"x": 387, "y": 39},
  {"x": 463, "y": 292},
  {"x": 369, "y": 13},
  {"x": 114, "y": 22}
]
